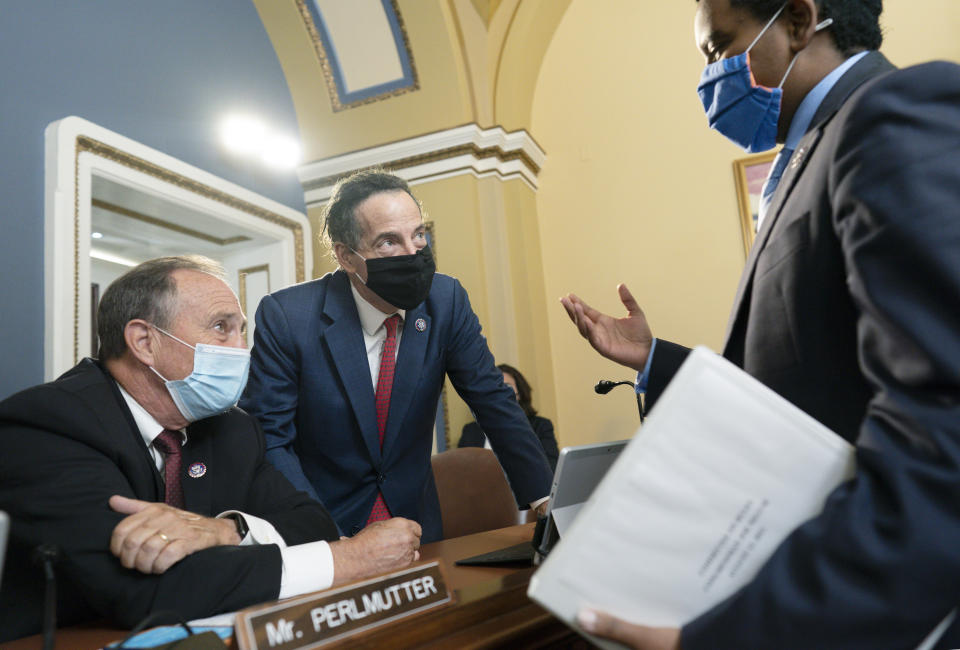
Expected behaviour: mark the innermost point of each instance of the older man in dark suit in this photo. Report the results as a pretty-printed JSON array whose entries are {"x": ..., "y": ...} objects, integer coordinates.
[
  {"x": 153, "y": 486},
  {"x": 848, "y": 307}
]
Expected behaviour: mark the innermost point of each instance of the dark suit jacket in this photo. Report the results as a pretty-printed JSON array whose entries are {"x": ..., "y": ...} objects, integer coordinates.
[
  {"x": 71, "y": 444},
  {"x": 849, "y": 306},
  {"x": 472, "y": 436},
  {"x": 311, "y": 389}
]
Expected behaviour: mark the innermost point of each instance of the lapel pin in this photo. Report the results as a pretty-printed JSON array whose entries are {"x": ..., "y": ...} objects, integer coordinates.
[
  {"x": 197, "y": 470},
  {"x": 798, "y": 157},
  {"x": 421, "y": 324}
]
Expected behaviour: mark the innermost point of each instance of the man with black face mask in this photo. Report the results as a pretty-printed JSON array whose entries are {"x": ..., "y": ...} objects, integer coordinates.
[
  {"x": 848, "y": 307},
  {"x": 346, "y": 370}
]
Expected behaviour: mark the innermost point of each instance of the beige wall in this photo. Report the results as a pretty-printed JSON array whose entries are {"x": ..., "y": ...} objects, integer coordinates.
[{"x": 636, "y": 189}]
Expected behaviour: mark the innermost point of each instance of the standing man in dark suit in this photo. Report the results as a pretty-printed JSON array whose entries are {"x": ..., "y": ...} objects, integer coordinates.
[
  {"x": 151, "y": 484},
  {"x": 347, "y": 369},
  {"x": 849, "y": 306}
]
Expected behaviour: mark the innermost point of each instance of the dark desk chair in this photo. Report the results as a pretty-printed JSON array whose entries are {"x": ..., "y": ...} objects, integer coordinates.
[{"x": 474, "y": 493}]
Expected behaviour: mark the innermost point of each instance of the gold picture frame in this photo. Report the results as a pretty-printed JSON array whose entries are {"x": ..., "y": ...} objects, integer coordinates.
[{"x": 748, "y": 176}]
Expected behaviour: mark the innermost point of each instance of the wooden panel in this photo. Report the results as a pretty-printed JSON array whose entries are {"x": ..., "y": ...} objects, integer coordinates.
[{"x": 492, "y": 609}]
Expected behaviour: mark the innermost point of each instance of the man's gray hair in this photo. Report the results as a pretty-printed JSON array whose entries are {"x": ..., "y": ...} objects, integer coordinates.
[
  {"x": 339, "y": 221},
  {"x": 146, "y": 291}
]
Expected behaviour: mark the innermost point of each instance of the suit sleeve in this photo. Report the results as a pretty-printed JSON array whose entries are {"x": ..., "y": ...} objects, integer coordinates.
[
  {"x": 56, "y": 489},
  {"x": 479, "y": 382},
  {"x": 879, "y": 567},
  {"x": 273, "y": 390},
  {"x": 667, "y": 359},
  {"x": 544, "y": 431}
]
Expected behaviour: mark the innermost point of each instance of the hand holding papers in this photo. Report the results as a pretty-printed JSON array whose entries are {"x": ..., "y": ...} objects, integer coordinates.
[{"x": 721, "y": 473}]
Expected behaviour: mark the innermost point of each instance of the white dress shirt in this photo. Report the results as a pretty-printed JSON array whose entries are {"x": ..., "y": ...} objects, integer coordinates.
[
  {"x": 306, "y": 567},
  {"x": 374, "y": 332}
]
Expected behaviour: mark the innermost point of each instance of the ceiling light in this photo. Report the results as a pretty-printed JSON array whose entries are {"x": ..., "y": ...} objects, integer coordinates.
[
  {"x": 242, "y": 134},
  {"x": 96, "y": 235},
  {"x": 281, "y": 152},
  {"x": 110, "y": 257}
]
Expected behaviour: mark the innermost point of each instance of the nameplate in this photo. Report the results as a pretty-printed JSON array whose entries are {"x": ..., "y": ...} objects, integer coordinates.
[{"x": 317, "y": 619}]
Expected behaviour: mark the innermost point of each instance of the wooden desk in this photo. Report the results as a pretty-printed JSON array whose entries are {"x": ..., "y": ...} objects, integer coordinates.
[{"x": 492, "y": 609}]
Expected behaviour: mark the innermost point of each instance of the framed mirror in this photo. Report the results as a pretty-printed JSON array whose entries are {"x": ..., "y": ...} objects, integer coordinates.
[{"x": 111, "y": 203}]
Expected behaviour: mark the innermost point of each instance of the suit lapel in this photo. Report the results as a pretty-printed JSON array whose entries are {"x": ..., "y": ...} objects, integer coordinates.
[
  {"x": 796, "y": 165},
  {"x": 409, "y": 368},
  {"x": 134, "y": 458},
  {"x": 198, "y": 469},
  {"x": 868, "y": 67},
  {"x": 343, "y": 339}
]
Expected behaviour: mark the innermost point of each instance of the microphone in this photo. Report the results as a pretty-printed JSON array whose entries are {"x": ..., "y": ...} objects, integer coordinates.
[
  {"x": 47, "y": 555},
  {"x": 604, "y": 386}
]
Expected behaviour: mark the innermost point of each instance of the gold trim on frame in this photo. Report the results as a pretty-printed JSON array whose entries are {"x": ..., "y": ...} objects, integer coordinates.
[
  {"x": 183, "y": 230},
  {"x": 328, "y": 71},
  {"x": 242, "y": 289},
  {"x": 103, "y": 150},
  {"x": 743, "y": 194}
]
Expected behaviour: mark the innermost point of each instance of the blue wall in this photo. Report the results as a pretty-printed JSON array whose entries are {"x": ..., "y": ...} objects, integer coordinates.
[{"x": 162, "y": 73}]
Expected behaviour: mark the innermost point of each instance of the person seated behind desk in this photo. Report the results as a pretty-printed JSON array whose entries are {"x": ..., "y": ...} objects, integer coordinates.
[
  {"x": 149, "y": 480},
  {"x": 473, "y": 436}
]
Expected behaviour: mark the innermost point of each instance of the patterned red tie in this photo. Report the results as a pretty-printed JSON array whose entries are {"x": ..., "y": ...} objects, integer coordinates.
[
  {"x": 388, "y": 361},
  {"x": 169, "y": 444}
]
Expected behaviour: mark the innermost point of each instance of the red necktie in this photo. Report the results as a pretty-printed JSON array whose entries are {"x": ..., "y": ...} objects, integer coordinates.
[
  {"x": 169, "y": 444},
  {"x": 388, "y": 361}
]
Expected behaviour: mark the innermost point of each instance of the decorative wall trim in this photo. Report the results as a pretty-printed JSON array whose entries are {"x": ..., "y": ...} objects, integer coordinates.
[
  {"x": 242, "y": 291},
  {"x": 466, "y": 149},
  {"x": 76, "y": 150},
  {"x": 340, "y": 99},
  {"x": 160, "y": 223}
]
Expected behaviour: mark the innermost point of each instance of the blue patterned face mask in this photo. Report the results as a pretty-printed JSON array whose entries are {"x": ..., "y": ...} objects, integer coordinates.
[
  {"x": 218, "y": 378},
  {"x": 744, "y": 112}
]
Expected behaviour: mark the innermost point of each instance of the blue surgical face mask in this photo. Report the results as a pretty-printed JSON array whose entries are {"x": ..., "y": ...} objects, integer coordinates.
[
  {"x": 736, "y": 106},
  {"x": 218, "y": 377}
]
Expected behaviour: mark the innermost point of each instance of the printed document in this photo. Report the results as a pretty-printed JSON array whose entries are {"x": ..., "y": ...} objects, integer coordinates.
[{"x": 722, "y": 471}]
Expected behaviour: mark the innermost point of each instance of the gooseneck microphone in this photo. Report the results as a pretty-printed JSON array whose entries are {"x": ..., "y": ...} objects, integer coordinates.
[
  {"x": 47, "y": 555},
  {"x": 604, "y": 386}
]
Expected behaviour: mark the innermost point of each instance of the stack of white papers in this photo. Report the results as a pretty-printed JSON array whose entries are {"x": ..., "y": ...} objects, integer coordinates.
[{"x": 722, "y": 471}]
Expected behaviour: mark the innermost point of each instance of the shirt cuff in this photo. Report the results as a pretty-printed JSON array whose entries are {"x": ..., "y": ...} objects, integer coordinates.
[
  {"x": 535, "y": 504},
  {"x": 306, "y": 567},
  {"x": 644, "y": 376},
  {"x": 260, "y": 531}
]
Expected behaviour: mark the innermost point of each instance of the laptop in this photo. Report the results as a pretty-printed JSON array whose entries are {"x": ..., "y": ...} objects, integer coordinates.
[
  {"x": 579, "y": 471},
  {"x": 4, "y": 531}
]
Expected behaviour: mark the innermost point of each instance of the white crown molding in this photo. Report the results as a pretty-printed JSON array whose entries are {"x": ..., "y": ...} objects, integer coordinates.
[{"x": 466, "y": 149}]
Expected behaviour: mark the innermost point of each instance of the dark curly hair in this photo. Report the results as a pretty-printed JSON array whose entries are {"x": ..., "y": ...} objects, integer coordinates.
[
  {"x": 339, "y": 222},
  {"x": 856, "y": 23}
]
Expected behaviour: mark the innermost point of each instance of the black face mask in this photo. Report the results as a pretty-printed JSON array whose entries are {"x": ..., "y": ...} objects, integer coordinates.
[{"x": 402, "y": 280}]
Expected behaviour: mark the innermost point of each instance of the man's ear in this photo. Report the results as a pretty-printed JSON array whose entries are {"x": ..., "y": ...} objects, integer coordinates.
[
  {"x": 802, "y": 19},
  {"x": 140, "y": 341},
  {"x": 347, "y": 259}
]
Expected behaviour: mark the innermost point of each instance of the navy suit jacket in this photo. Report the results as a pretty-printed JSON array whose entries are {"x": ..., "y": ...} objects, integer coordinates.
[
  {"x": 849, "y": 306},
  {"x": 311, "y": 389},
  {"x": 69, "y": 445}
]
